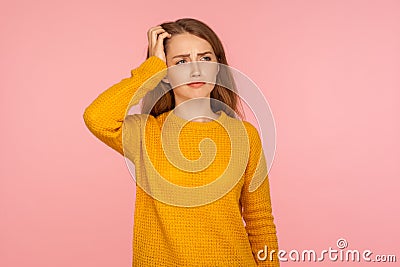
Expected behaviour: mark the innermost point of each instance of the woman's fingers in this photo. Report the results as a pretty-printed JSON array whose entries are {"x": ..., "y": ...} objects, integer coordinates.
[
  {"x": 160, "y": 39},
  {"x": 156, "y": 36},
  {"x": 159, "y": 47},
  {"x": 151, "y": 30},
  {"x": 153, "y": 36}
]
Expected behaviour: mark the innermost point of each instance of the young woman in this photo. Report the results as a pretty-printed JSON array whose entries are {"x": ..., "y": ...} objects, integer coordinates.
[{"x": 192, "y": 195}]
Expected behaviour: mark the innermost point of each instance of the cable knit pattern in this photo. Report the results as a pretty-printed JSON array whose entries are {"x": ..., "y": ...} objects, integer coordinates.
[{"x": 226, "y": 232}]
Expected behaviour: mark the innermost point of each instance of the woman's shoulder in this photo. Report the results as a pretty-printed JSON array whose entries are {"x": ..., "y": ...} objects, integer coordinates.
[
  {"x": 250, "y": 128},
  {"x": 252, "y": 131}
]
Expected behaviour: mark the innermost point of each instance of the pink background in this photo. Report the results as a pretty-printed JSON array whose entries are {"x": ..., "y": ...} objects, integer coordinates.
[{"x": 329, "y": 70}]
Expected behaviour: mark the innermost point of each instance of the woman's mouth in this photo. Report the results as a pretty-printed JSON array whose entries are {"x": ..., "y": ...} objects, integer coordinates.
[{"x": 196, "y": 84}]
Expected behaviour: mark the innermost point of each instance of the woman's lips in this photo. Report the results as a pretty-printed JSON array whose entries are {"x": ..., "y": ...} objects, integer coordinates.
[{"x": 196, "y": 84}]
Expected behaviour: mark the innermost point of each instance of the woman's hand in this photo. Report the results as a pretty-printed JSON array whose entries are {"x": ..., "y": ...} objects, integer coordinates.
[{"x": 156, "y": 37}]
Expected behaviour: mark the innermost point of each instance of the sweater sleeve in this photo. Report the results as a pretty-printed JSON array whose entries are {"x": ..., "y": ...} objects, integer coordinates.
[
  {"x": 105, "y": 116},
  {"x": 256, "y": 204}
]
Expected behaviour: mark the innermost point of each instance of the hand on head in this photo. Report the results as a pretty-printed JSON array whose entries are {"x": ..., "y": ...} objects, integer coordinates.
[{"x": 156, "y": 36}]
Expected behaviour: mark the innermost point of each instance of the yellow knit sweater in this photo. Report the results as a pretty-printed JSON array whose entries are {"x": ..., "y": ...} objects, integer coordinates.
[{"x": 208, "y": 234}]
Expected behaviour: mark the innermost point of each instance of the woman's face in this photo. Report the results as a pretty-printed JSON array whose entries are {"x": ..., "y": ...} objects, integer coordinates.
[{"x": 196, "y": 79}]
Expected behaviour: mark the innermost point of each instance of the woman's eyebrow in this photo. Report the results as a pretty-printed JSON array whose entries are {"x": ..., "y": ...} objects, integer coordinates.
[{"x": 199, "y": 54}]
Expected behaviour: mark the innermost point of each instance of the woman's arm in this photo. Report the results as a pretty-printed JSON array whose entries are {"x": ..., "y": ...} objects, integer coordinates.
[
  {"x": 256, "y": 203},
  {"x": 104, "y": 117}
]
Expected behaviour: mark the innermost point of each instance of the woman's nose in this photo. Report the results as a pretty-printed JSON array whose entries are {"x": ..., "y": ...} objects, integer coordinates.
[{"x": 195, "y": 70}]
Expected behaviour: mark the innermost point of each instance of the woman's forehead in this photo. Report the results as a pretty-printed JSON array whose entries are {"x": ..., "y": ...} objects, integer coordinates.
[{"x": 187, "y": 44}]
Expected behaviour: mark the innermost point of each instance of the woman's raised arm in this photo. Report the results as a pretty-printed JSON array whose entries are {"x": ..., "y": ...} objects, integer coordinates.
[{"x": 105, "y": 116}]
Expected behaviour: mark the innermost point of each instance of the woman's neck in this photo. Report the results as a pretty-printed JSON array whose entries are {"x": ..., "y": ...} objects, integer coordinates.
[{"x": 197, "y": 109}]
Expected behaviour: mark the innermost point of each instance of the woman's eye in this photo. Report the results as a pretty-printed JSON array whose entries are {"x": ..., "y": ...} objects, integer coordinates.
[
  {"x": 206, "y": 58},
  {"x": 180, "y": 61}
]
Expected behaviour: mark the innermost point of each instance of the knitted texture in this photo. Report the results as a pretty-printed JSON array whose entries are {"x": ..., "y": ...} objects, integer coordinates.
[{"x": 210, "y": 234}]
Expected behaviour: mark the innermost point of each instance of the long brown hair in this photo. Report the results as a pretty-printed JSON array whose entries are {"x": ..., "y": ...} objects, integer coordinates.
[{"x": 166, "y": 99}]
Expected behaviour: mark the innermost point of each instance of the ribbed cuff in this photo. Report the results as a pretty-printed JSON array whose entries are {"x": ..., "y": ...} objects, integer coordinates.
[{"x": 151, "y": 66}]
